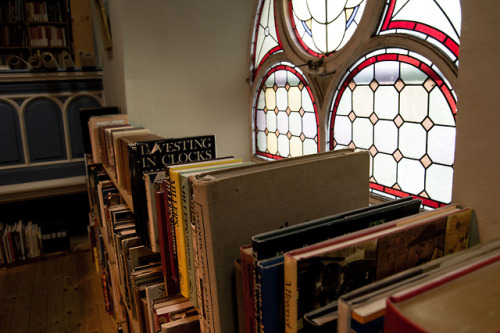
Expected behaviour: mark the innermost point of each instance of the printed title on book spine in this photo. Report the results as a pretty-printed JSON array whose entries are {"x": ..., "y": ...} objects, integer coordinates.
[{"x": 174, "y": 151}]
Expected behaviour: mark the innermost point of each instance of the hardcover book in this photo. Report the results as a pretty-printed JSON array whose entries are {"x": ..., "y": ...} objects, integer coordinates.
[
  {"x": 150, "y": 156},
  {"x": 230, "y": 206},
  {"x": 319, "y": 274},
  {"x": 277, "y": 242},
  {"x": 464, "y": 300},
  {"x": 84, "y": 116},
  {"x": 177, "y": 214}
]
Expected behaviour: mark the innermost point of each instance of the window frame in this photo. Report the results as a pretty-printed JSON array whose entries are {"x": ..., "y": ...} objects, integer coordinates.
[{"x": 324, "y": 74}]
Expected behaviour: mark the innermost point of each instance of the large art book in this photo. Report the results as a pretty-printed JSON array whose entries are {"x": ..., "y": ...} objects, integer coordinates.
[
  {"x": 319, "y": 274},
  {"x": 230, "y": 206},
  {"x": 464, "y": 300},
  {"x": 277, "y": 242},
  {"x": 155, "y": 155},
  {"x": 365, "y": 307}
]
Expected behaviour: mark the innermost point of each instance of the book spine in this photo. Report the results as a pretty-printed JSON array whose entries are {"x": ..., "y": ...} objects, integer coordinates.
[
  {"x": 180, "y": 234},
  {"x": 344, "y": 316},
  {"x": 169, "y": 229},
  {"x": 291, "y": 295},
  {"x": 269, "y": 298},
  {"x": 204, "y": 290},
  {"x": 248, "y": 276},
  {"x": 186, "y": 213}
]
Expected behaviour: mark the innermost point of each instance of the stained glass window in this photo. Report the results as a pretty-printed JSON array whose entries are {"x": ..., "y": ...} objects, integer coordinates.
[
  {"x": 397, "y": 105},
  {"x": 436, "y": 21},
  {"x": 325, "y": 26},
  {"x": 286, "y": 120},
  {"x": 266, "y": 40}
]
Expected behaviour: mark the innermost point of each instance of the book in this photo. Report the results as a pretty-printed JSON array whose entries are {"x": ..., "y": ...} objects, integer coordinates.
[
  {"x": 95, "y": 123},
  {"x": 187, "y": 324},
  {"x": 150, "y": 179},
  {"x": 174, "y": 310},
  {"x": 159, "y": 317},
  {"x": 165, "y": 249},
  {"x": 114, "y": 150},
  {"x": 127, "y": 145},
  {"x": 247, "y": 279},
  {"x": 365, "y": 307},
  {"x": 240, "y": 303},
  {"x": 319, "y": 274},
  {"x": 105, "y": 133},
  {"x": 467, "y": 299},
  {"x": 190, "y": 232},
  {"x": 232, "y": 205},
  {"x": 155, "y": 155},
  {"x": 84, "y": 116},
  {"x": 276, "y": 242},
  {"x": 177, "y": 214},
  {"x": 270, "y": 295},
  {"x": 153, "y": 292}
]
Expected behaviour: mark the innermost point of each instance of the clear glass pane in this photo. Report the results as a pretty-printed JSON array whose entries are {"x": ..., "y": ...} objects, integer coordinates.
[
  {"x": 324, "y": 26},
  {"x": 411, "y": 175}
]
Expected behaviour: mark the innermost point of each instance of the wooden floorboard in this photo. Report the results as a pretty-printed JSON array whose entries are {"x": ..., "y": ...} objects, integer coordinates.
[{"x": 61, "y": 293}]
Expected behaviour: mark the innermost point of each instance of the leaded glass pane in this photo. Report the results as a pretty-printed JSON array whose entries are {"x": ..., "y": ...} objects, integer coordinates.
[
  {"x": 325, "y": 26},
  {"x": 286, "y": 124},
  {"x": 436, "y": 21},
  {"x": 266, "y": 39},
  {"x": 405, "y": 118}
]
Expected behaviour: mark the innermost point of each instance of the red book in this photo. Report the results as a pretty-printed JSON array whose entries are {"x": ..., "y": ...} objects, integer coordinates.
[
  {"x": 169, "y": 236},
  {"x": 467, "y": 297},
  {"x": 247, "y": 277}
]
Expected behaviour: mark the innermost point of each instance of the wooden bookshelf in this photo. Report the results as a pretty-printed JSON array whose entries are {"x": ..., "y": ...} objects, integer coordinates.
[
  {"x": 125, "y": 195},
  {"x": 32, "y": 27},
  {"x": 117, "y": 285}
]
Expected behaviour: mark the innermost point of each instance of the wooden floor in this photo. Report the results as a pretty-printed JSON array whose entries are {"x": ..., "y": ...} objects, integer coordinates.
[{"x": 62, "y": 293}]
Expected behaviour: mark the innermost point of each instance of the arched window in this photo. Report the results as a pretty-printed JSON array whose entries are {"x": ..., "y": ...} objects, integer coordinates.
[{"x": 376, "y": 75}]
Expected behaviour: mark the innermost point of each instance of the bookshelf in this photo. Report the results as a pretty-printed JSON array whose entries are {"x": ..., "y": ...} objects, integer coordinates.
[
  {"x": 106, "y": 260},
  {"x": 37, "y": 28}
]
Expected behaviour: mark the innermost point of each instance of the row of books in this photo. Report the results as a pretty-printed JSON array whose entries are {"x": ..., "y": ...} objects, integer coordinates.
[
  {"x": 45, "y": 11},
  {"x": 12, "y": 11},
  {"x": 132, "y": 276},
  {"x": 13, "y": 35},
  {"x": 139, "y": 266},
  {"x": 294, "y": 235},
  {"x": 20, "y": 241},
  {"x": 45, "y": 36}
]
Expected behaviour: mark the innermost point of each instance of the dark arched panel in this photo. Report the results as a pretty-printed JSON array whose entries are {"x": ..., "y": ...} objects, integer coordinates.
[
  {"x": 44, "y": 131},
  {"x": 11, "y": 145},
  {"x": 74, "y": 125}
]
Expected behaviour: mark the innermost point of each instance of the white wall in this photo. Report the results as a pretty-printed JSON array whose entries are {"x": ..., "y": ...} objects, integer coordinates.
[{"x": 179, "y": 68}]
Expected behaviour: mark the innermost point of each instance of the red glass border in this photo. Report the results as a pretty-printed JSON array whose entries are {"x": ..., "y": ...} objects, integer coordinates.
[
  {"x": 388, "y": 24},
  {"x": 254, "y": 46}
]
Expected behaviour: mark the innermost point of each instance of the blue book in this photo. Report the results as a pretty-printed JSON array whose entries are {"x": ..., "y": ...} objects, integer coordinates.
[{"x": 270, "y": 298}]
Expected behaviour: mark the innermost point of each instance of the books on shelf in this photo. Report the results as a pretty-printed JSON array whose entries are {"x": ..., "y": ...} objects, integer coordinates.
[
  {"x": 275, "y": 243},
  {"x": 20, "y": 241},
  {"x": 319, "y": 274},
  {"x": 464, "y": 299},
  {"x": 229, "y": 206},
  {"x": 176, "y": 229},
  {"x": 366, "y": 306}
]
